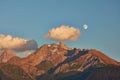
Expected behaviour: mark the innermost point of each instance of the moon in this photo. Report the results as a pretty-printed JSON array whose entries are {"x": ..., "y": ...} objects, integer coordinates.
[{"x": 85, "y": 26}]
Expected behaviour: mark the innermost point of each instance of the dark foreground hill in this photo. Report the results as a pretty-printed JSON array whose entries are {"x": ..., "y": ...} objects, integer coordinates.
[{"x": 13, "y": 72}]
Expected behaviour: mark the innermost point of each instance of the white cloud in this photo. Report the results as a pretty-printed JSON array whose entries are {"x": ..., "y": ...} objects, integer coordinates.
[
  {"x": 64, "y": 33},
  {"x": 15, "y": 43}
]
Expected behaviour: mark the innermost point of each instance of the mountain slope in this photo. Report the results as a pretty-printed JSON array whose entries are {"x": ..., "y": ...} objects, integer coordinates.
[
  {"x": 53, "y": 53},
  {"x": 6, "y": 55},
  {"x": 105, "y": 58},
  {"x": 106, "y": 72},
  {"x": 78, "y": 60},
  {"x": 12, "y": 72}
]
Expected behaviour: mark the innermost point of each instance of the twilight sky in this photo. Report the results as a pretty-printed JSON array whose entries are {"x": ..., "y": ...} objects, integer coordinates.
[{"x": 32, "y": 19}]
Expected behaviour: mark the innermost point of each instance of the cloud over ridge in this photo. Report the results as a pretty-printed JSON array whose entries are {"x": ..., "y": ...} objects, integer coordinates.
[
  {"x": 15, "y": 43},
  {"x": 63, "y": 33}
]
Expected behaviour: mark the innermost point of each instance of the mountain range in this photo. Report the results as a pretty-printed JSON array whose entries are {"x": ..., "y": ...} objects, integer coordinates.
[{"x": 59, "y": 62}]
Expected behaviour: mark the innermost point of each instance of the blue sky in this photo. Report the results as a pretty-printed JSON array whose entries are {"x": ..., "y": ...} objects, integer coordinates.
[{"x": 31, "y": 19}]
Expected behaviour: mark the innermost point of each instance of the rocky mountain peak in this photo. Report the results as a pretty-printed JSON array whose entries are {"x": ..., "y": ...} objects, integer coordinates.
[
  {"x": 57, "y": 58},
  {"x": 52, "y": 48},
  {"x": 6, "y": 55},
  {"x": 62, "y": 45}
]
